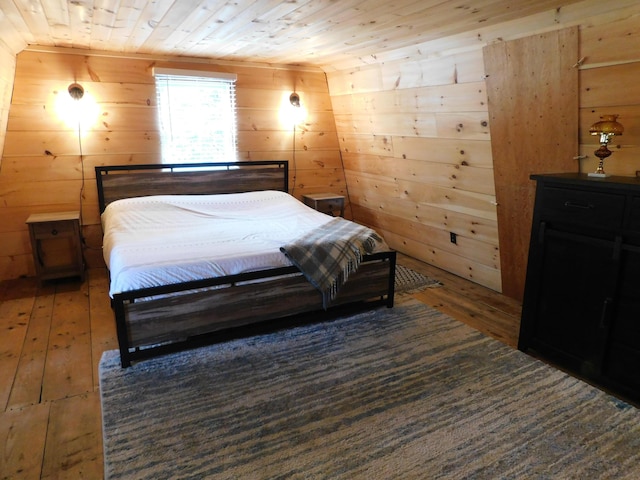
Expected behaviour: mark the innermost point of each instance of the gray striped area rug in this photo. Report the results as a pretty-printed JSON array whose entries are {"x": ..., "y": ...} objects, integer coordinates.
[
  {"x": 402, "y": 393},
  {"x": 410, "y": 281}
]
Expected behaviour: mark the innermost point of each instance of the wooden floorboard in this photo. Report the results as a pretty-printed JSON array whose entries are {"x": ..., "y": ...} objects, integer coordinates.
[{"x": 52, "y": 338}]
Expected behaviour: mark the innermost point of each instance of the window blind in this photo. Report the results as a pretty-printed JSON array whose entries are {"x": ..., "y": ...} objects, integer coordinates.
[{"x": 197, "y": 113}]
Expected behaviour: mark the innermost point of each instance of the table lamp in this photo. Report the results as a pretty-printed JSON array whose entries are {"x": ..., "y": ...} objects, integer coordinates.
[{"x": 606, "y": 128}]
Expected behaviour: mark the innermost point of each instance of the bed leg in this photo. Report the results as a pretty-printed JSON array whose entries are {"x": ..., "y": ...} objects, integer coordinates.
[
  {"x": 124, "y": 360},
  {"x": 121, "y": 329},
  {"x": 392, "y": 279}
]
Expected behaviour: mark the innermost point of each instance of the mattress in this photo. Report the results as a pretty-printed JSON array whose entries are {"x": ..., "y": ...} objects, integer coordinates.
[{"x": 168, "y": 239}]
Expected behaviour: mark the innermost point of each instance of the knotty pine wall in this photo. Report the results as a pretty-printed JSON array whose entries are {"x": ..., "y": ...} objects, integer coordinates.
[
  {"x": 7, "y": 70},
  {"x": 11, "y": 42},
  {"x": 416, "y": 143},
  {"x": 42, "y": 169},
  {"x": 417, "y": 153},
  {"x": 609, "y": 85}
]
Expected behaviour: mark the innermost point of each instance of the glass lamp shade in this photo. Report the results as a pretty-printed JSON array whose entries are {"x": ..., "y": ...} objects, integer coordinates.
[
  {"x": 606, "y": 128},
  {"x": 607, "y": 125}
]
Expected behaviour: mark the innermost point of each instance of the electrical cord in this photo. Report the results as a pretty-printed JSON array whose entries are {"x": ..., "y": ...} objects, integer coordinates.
[
  {"x": 295, "y": 166},
  {"x": 82, "y": 189},
  {"x": 81, "y": 171}
]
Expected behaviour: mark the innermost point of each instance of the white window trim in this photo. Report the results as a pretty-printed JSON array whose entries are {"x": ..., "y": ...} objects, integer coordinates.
[{"x": 231, "y": 77}]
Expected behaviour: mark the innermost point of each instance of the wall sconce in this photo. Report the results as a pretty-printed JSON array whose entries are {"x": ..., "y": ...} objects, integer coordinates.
[
  {"x": 296, "y": 111},
  {"x": 76, "y": 91},
  {"x": 78, "y": 109},
  {"x": 292, "y": 110},
  {"x": 606, "y": 128}
]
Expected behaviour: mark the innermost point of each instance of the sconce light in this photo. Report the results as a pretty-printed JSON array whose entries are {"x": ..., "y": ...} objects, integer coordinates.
[
  {"x": 606, "y": 128},
  {"x": 77, "y": 107},
  {"x": 292, "y": 110},
  {"x": 76, "y": 91}
]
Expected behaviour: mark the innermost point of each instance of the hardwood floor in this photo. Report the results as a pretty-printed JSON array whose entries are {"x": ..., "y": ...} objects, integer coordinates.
[{"x": 51, "y": 343}]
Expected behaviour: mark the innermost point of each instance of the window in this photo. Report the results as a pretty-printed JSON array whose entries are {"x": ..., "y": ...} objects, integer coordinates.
[{"x": 197, "y": 115}]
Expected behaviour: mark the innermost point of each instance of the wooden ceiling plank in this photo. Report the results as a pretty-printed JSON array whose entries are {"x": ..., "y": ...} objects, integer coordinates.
[
  {"x": 36, "y": 21},
  {"x": 126, "y": 25},
  {"x": 80, "y": 24},
  {"x": 276, "y": 29},
  {"x": 332, "y": 34},
  {"x": 545, "y": 21},
  {"x": 238, "y": 23},
  {"x": 150, "y": 16},
  {"x": 226, "y": 21},
  {"x": 15, "y": 34},
  {"x": 57, "y": 13},
  {"x": 104, "y": 19},
  {"x": 179, "y": 22}
]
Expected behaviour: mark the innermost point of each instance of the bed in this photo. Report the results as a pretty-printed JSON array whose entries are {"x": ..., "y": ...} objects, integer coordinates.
[{"x": 160, "y": 310}]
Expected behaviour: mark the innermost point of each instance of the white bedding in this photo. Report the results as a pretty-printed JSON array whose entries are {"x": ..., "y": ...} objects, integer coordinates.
[{"x": 159, "y": 240}]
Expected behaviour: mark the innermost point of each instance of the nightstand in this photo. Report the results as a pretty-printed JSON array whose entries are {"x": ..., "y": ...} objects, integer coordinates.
[
  {"x": 327, "y": 203},
  {"x": 56, "y": 245}
]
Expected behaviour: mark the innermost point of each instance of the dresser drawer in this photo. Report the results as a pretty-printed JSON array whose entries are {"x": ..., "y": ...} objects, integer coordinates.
[
  {"x": 53, "y": 229},
  {"x": 634, "y": 216},
  {"x": 330, "y": 205},
  {"x": 325, "y": 202},
  {"x": 595, "y": 209}
]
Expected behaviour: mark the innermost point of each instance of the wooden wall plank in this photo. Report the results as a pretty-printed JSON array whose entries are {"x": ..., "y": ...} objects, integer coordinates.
[
  {"x": 432, "y": 237},
  {"x": 469, "y": 125},
  {"x": 416, "y": 147},
  {"x": 465, "y": 268},
  {"x": 379, "y": 192},
  {"x": 446, "y": 70},
  {"x": 368, "y": 144},
  {"x": 616, "y": 39},
  {"x": 534, "y": 129},
  {"x": 84, "y": 68},
  {"x": 482, "y": 230},
  {"x": 7, "y": 71},
  {"x": 262, "y": 119},
  {"x": 364, "y": 79},
  {"x": 463, "y": 152},
  {"x": 458, "y": 97},
  {"x": 417, "y": 124},
  {"x": 614, "y": 85},
  {"x": 61, "y": 192},
  {"x": 110, "y": 117},
  {"x": 453, "y": 176}
]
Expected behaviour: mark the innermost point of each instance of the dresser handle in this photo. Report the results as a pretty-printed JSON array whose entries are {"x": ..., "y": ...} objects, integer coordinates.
[
  {"x": 603, "y": 317},
  {"x": 585, "y": 206},
  {"x": 54, "y": 232},
  {"x": 541, "y": 232}
]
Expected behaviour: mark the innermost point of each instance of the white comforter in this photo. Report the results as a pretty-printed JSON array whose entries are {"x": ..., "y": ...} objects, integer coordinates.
[{"x": 152, "y": 241}]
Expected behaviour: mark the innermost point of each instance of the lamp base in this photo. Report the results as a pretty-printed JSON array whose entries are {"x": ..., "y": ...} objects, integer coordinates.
[{"x": 599, "y": 175}]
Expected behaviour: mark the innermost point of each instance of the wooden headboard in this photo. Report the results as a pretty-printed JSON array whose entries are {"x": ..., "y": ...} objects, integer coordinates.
[{"x": 125, "y": 181}]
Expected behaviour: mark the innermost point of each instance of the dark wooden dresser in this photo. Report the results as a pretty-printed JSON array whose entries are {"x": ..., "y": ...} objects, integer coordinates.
[{"x": 581, "y": 307}]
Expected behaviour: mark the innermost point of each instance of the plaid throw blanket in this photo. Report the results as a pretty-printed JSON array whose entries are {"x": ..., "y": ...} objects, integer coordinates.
[{"x": 329, "y": 254}]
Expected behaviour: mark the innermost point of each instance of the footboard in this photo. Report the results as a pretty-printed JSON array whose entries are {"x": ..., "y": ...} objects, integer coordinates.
[{"x": 149, "y": 320}]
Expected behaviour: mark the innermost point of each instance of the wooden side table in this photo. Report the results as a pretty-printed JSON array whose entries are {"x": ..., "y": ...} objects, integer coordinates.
[
  {"x": 56, "y": 245},
  {"x": 325, "y": 202}
]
